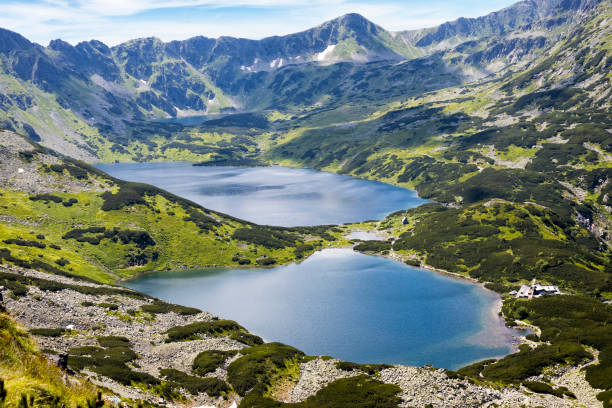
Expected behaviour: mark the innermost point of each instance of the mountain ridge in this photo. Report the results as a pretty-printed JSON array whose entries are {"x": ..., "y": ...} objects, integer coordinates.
[{"x": 147, "y": 79}]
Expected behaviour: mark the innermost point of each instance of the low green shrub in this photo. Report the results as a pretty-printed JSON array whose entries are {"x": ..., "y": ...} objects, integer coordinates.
[
  {"x": 46, "y": 198},
  {"x": 194, "y": 331},
  {"x": 247, "y": 338},
  {"x": 265, "y": 236},
  {"x": 26, "y": 243},
  {"x": 37, "y": 264},
  {"x": 195, "y": 385},
  {"x": 541, "y": 388},
  {"x": 94, "y": 235},
  {"x": 302, "y": 249},
  {"x": 370, "y": 369},
  {"x": 360, "y": 391},
  {"x": 413, "y": 262},
  {"x": 124, "y": 197},
  {"x": 62, "y": 262},
  {"x": 258, "y": 364},
  {"x": 110, "y": 361},
  {"x": 54, "y": 286},
  {"x": 522, "y": 365},
  {"x": 160, "y": 307},
  {"x": 75, "y": 171},
  {"x": 373, "y": 246},
  {"x": 109, "y": 306},
  {"x": 16, "y": 288},
  {"x": 266, "y": 261},
  {"x": 606, "y": 398},
  {"x": 202, "y": 221},
  {"x": 208, "y": 361},
  {"x": 45, "y": 332},
  {"x": 113, "y": 341},
  {"x": 473, "y": 370}
]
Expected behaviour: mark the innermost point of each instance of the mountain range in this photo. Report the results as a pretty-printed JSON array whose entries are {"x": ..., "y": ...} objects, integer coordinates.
[{"x": 65, "y": 95}]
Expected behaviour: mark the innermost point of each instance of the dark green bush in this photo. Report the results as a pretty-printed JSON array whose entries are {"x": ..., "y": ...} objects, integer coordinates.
[
  {"x": 413, "y": 262},
  {"x": 23, "y": 242},
  {"x": 541, "y": 388},
  {"x": 46, "y": 198},
  {"x": 62, "y": 262},
  {"x": 266, "y": 261},
  {"x": 16, "y": 288},
  {"x": 473, "y": 370},
  {"x": 160, "y": 307},
  {"x": 302, "y": 249},
  {"x": 258, "y": 365},
  {"x": 195, "y": 385},
  {"x": 110, "y": 361},
  {"x": 373, "y": 246},
  {"x": 247, "y": 338},
  {"x": 208, "y": 361},
  {"x": 203, "y": 222},
  {"x": 53, "y": 286},
  {"x": 370, "y": 369},
  {"x": 360, "y": 391},
  {"x": 124, "y": 197},
  {"x": 194, "y": 331},
  {"x": 265, "y": 236},
  {"x": 606, "y": 398},
  {"x": 519, "y": 366},
  {"x": 70, "y": 202},
  {"x": 113, "y": 341},
  {"x": 94, "y": 235},
  {"x": 109, "y": 306},
  {"x": 48, "y": 332}
]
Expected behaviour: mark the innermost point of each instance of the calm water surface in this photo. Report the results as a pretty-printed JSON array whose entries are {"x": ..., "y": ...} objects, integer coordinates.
[
  {"x": 273, "y": 195},
  {"x": 351, "y": 306},
  {"x": 337, "y": 302}
]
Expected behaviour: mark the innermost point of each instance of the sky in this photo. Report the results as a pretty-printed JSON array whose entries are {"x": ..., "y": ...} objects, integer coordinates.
[{"x": 117, "y": 21}]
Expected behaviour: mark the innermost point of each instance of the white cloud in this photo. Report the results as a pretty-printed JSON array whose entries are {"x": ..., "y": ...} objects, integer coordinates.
[{"x": 116, "y": 21}]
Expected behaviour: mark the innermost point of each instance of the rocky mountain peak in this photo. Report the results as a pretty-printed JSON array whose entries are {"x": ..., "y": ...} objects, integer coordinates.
[{"x": 11, "y": 41}]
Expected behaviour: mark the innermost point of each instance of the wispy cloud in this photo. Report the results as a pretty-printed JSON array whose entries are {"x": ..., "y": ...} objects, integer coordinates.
[{"x": 115, "y": 21}]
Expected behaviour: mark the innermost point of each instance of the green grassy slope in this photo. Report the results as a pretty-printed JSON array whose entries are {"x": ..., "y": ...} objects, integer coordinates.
[
  {"x": 109, "y": 229},
  {"x": 26, "y": 374}
]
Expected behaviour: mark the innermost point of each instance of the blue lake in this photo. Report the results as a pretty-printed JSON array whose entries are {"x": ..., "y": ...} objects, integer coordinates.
[
  {"x": 337, "y": 302},
  {"x": 273, "y": 195},
  {"x": 351, "y": 306}
]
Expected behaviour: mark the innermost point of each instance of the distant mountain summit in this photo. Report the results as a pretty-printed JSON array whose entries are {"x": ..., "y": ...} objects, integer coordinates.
[{"x": 65, "y": 94}]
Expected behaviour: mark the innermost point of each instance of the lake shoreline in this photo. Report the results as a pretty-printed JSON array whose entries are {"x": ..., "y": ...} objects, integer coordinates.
[
  {"x": 487, "y": 330},
  {"x": 496, "y": 310}
]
